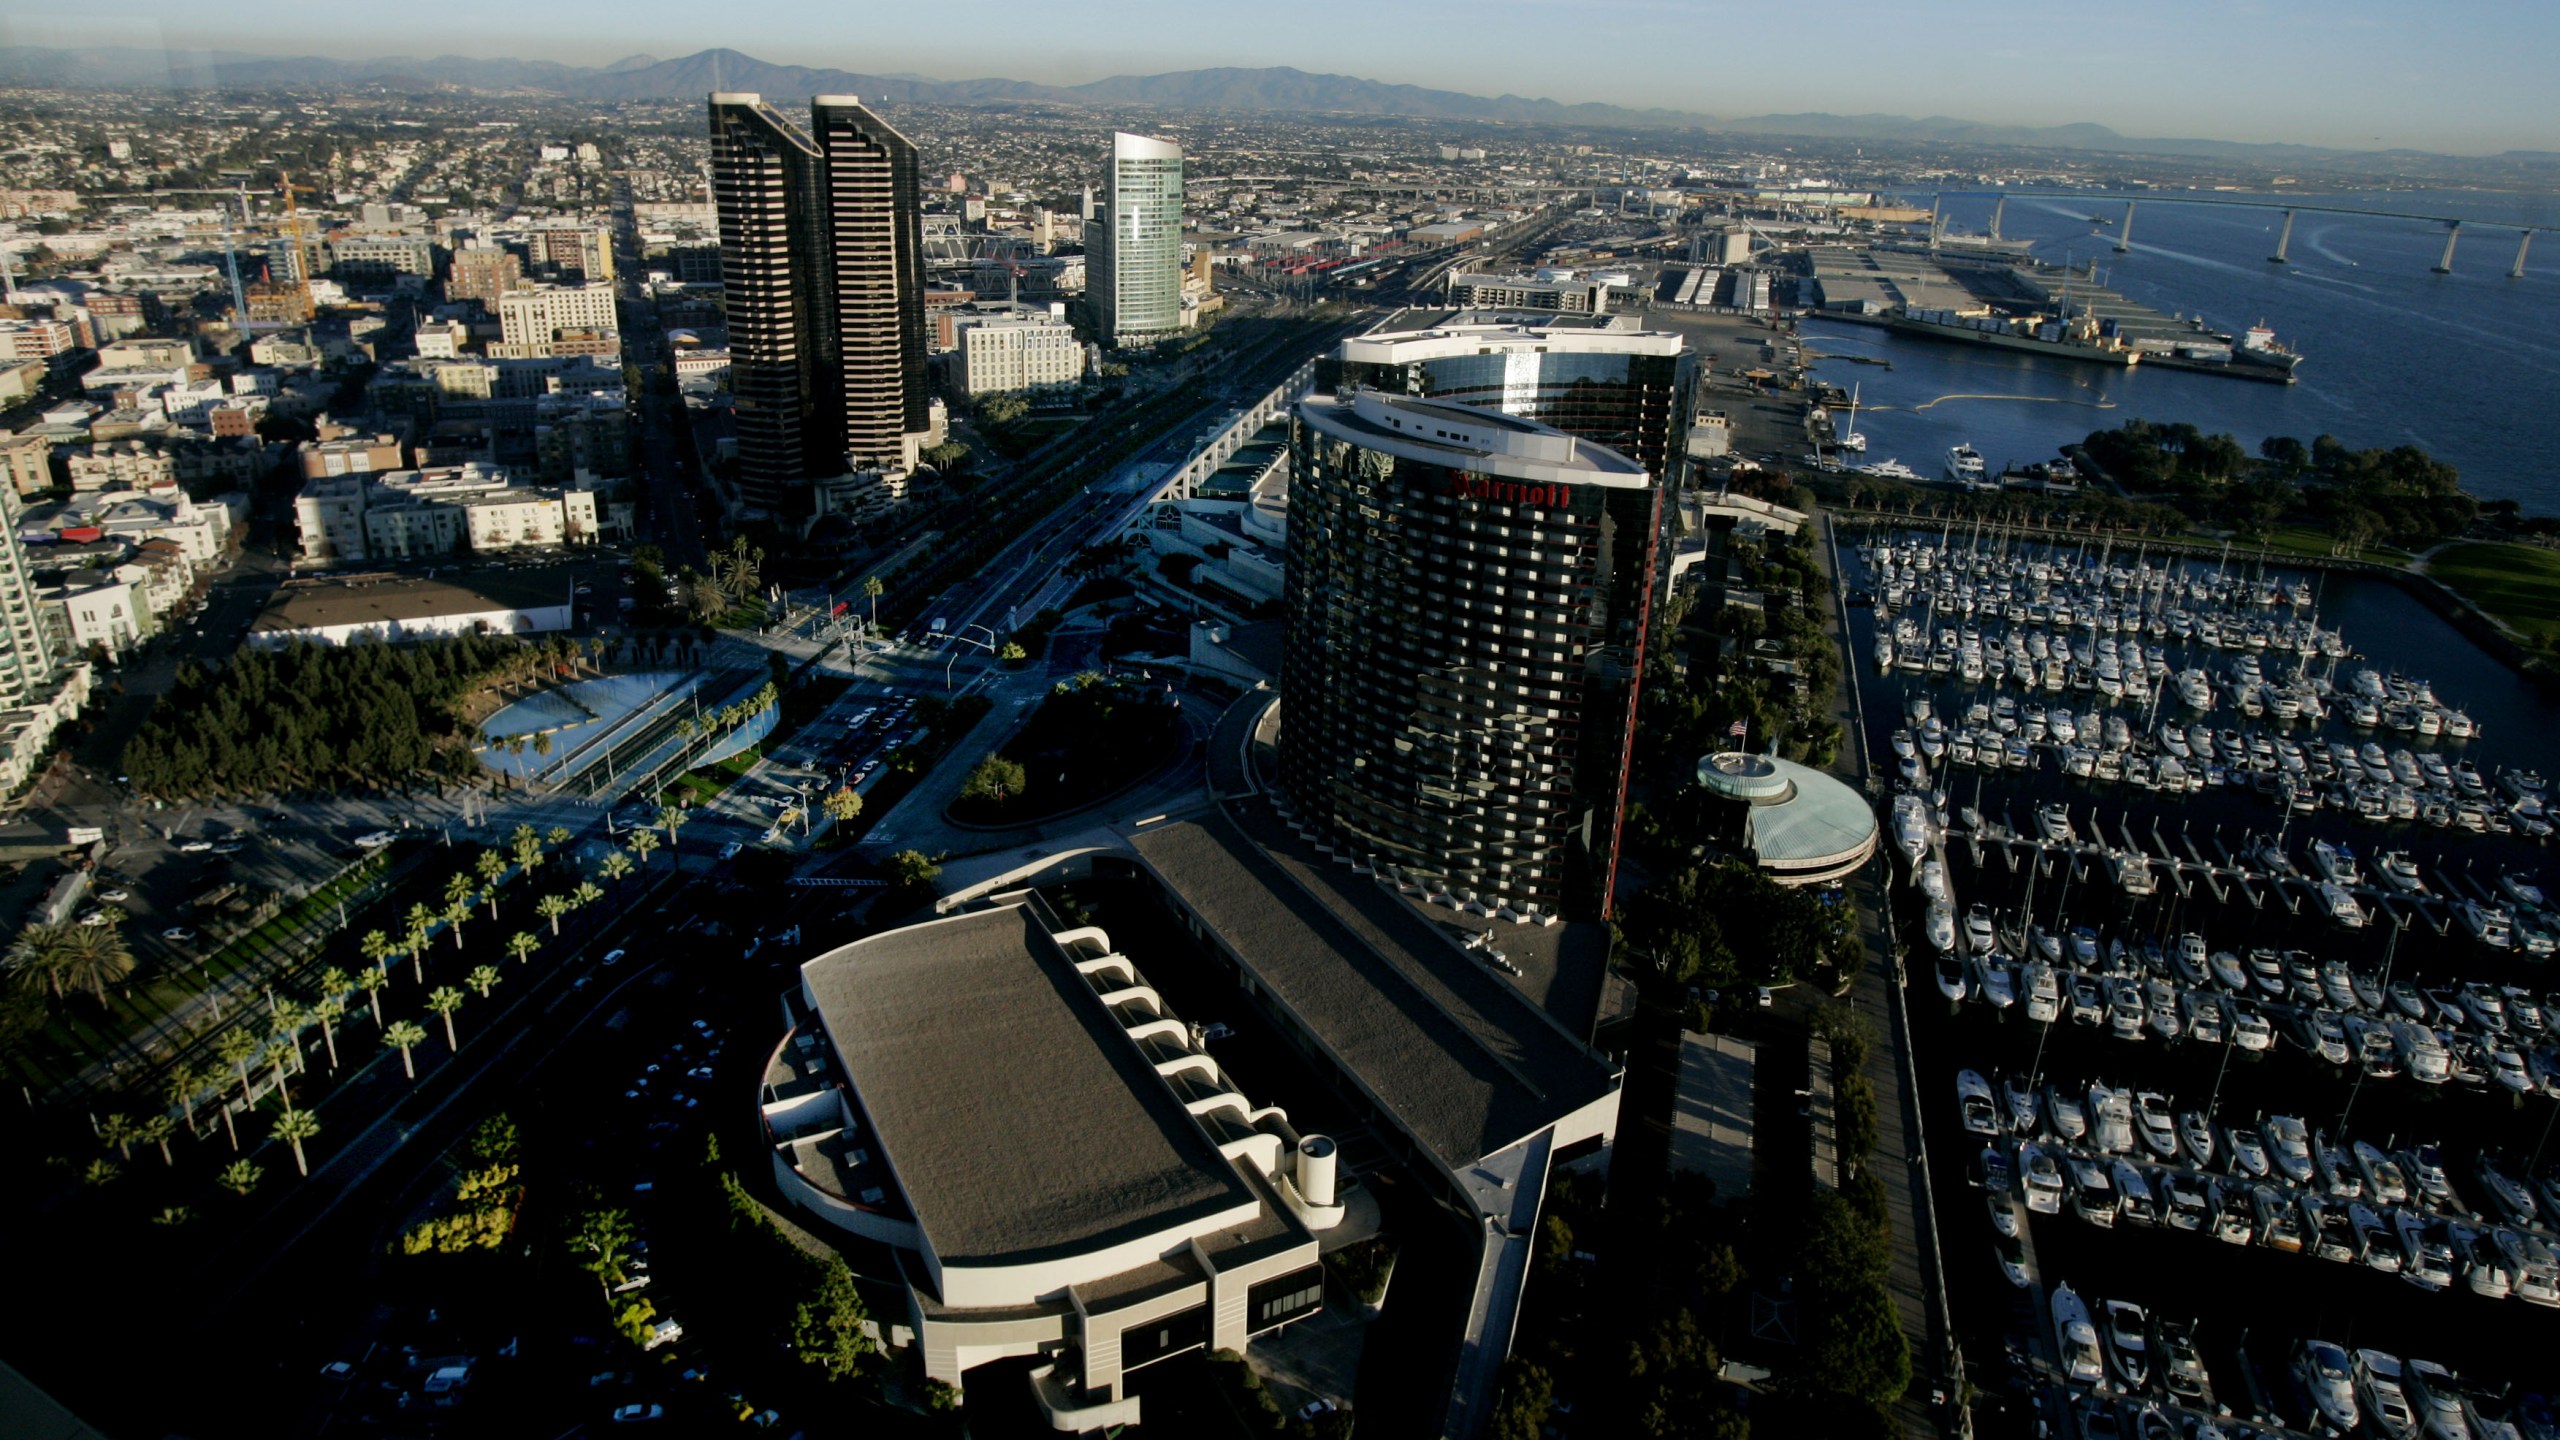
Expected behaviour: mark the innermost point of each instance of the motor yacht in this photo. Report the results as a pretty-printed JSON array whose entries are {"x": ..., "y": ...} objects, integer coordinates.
[
  {"x": 2041, "y": 1178},
  {"x": 2248, "y": 1152},
  {"x": 2128, "y": 1334},
  {"x": 2289, "y": 1147},
  {"x": 2076, "y": 1339},
  {"x": 2279, "y": 1223},
  {"x": 2376, "y": 1246},
  {"x": 1975, "y": 1104},
  {"x": 2155, "y": 1125}
]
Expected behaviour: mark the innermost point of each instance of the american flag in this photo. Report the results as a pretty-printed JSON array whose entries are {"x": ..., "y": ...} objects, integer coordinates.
[{"x": 1739, "y": 729}]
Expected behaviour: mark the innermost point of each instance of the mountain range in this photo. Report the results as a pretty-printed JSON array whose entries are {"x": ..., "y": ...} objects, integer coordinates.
[{"x": 1276, "y": 89}]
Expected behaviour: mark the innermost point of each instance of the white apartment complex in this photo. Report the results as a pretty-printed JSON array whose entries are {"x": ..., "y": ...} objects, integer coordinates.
[{"x": 417, "y": 514}]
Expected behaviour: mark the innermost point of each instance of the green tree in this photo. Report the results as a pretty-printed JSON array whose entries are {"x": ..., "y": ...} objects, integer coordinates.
[
  {"x": 521, "y": 945},
  {"x": 284, "y": 1041},
  {"x": 827, "y": 1331},
  {"x": 615, "y": 866},
  {"x": 444, "y": 1000},
  {"x": 405, "y": 1036},
  {"x": 557, "y": 836},
  {"x": 91, "y": 957},
  {"x": 293, "y": 1127},
  {"x": 843, "y": 806},
  {"x": 457, "y": 886},
  {"x": 995, "y": 778},
  {"x": 586, "y": 894},
  {"x": 118, "y": 1129},
  {"x": 421, "y": 922},
  {"x": 483, "y": 979},
  {"x": 602, "y": 1240},
  {"x": 1011, "y": 653},
  {"x": 526, "y": 842},
  {"x": 491, "y": 866},
  {"x": 455, "y": 912},
  {"x": 912, "y": 869},
  {"x": 551, "y": 908},
  {"x": 36, "y": 955},
  {"x": 100, "y": 1174},
  {"x": 671, "y": 819},
  {"x": 172, "y": 1217},
  {"x": 239, "y": 1177},
  {"x": 642, "y": 842}
]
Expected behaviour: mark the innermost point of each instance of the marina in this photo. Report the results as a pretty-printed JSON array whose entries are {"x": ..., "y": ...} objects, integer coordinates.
[{"x": 2230, "y": 928}]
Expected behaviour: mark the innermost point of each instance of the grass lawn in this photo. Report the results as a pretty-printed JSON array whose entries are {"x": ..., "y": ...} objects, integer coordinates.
[
  {"x": 2304, "y": 540},
  {"x": 2520, "y": 584}
]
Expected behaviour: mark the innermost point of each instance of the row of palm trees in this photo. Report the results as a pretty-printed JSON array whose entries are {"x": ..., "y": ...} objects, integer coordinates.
[{"x": 247, "y": 1058}]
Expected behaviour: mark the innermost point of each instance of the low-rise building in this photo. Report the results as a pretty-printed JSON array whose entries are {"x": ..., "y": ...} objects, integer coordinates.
[
  {"x": 420, "y": 514},
  {"x": 532, "y": 321},
  {"x": 347, "y": 609}
]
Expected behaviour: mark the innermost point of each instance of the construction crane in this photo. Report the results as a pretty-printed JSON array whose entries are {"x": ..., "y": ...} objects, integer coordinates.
[{"x": 293, "y": 236}]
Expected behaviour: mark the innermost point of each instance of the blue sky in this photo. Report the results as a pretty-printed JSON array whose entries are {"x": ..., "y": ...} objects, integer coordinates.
[{"x": 2456, "y": 75}]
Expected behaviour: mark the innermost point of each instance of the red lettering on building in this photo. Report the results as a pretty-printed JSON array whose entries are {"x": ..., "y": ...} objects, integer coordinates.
[{"x": 1508, "y": 492}]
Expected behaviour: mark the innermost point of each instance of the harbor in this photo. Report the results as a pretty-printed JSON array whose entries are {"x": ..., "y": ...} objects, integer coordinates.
[{"x": 2228, "y": 957}]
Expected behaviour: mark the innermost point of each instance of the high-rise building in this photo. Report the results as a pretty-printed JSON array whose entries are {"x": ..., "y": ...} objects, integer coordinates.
[
  {"x": 582, "y": 249},
  {"x": 1468, "y": 596},
  {"x": 1133, "y": 248},
  {"x": 822, "y": 264},
  {"x": 26, "y": 663},
  {"x": 1603, "y": 378}
]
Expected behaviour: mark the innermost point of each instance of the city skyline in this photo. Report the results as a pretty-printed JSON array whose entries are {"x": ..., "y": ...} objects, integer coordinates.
[{"x": 2364, "y": 76}]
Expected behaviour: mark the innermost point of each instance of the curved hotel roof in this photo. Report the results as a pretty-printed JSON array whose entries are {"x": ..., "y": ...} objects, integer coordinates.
[
  {"x": 1468, "y": 438},
  {"x": 1804, "y": 825}
]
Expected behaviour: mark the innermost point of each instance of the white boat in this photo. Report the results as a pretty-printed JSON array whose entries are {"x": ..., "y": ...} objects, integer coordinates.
[
  {"x": 2041, "y": 1178},
  {"x": 2054, "y": 821},
  {"x": 2157, "y": 1128},
  {"x": 2196, "y": 1134},
  {"x": 1997, "y": 989},
  {"x": 2111, "y": 1120},
  {"x": 2044, "y": 993},
  {"x": 2400, "y": 872},
  {"x": 2488, "y": 924},
  {"x": 2336, "y": 863},
  {"x": 2342, "y": 905},
  {"x": 1964, "y": 466},
  {"x": 1976, "y": 1105},
  {"x": 2076, "y": 1339},
  {"x": 2289, "y": 1147},
  {"x": 1933, "y": 883},
  {"x": 1981, "y": 937},
  {"x": 2133, "y": 873},
  {"x": 2520, "y": 890},
  {"x": 1911, "y": 827},
  {"x": 1940, "y": 926}
]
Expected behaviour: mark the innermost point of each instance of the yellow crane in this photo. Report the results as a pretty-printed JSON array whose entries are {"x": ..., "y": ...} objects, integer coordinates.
[{"x": 302, "y": 251}]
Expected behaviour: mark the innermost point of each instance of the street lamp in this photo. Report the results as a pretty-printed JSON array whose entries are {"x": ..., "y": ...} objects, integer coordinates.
[{"x": 961, "y": 637}]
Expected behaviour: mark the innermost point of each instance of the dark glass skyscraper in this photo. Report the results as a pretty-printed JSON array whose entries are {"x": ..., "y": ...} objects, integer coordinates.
[
  {"x": 821, "y": 260},
  {"x": 1468, "y": 598}
]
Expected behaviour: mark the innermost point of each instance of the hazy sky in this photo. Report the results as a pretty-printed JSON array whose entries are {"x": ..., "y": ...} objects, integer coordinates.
[{"x": 2458, "y": 75}]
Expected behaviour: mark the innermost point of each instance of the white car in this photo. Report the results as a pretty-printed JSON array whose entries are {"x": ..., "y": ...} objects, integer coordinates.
[
  {"x": 375, "y": 840},
  {"x": 194, "y": 847},
  {"x": 730, "y": 850},
  {"x": 179, "y": 933},
  {"x": 633, "y": 1413}
]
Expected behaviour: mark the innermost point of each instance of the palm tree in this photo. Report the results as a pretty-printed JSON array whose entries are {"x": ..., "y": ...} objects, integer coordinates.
[
  {"x": 158, "y": 1130},
  {"x": 527, "y": 845},
  {"x": 119, "y": 1130},
  {"x": 557, "y": 836},
  {"x": 420, "y": 921},
  {"x": 455, "y": 912},
  {"x": 293, "y": 1127},
  {"x": 284, "y": 1025},
  {"x": 586, "y": 894},
  {"x": 36, "y": 954},
  {"x": 372, "y": 978},
  {"x": 329, "y": 1009},
  {"x": 93, "y": 956},
  {"x": 173, "y": 1216},
  {"x": 551, "y": 908},
  {"x": 844, "y": 805},
  {"x": 522, "y": 945},
  {"x": 377, "y": 950},
  {"x": 444, "y": 1000},
  {"x": 482, "y": 978},
  {"x": 642, "y": 842},
  {"x": 457, "y": 886},
  {"x": 235, "y": 1047},
  {"x": 671, "y": 818},
  {"x": 491, "y": 865},
  {"x": 404, "y": 1036},
  {"x": 614, "y": 866},
  {"x": 239, "y": 1177},
  {"x": 100, "y": 1174},
  {"x": 179, "y": 1086},
  {"x": 873, "y": 587},
  {"x": 333, "y": 981}
]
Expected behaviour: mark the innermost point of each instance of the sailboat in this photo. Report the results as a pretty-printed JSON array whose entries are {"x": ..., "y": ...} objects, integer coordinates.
[{"x": 1849, "y": 439}]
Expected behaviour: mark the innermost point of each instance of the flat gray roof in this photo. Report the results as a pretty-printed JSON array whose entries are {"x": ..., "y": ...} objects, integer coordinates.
[
  {"x": 1020, "y": 1119},
  {"x": 1463, "y": 1063},
  {"x": 380, "y": 599}
]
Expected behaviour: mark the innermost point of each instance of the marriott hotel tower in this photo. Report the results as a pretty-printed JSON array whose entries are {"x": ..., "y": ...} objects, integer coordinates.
[{"x": 1468, "y": 597}]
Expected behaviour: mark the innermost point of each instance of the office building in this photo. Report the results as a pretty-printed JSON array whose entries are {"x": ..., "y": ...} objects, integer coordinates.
[
  {"x": 380, "y": 259},
  {"x": 821, "y": 261},
  {"x": 1133, "y": 251},
  {"x": 1053, "y": 1157},
  {"x": 1468, "y": 597},
  {"x": 1599, "y": 378}
]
